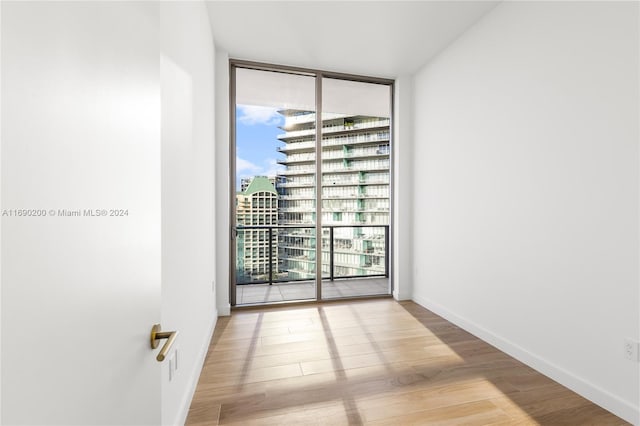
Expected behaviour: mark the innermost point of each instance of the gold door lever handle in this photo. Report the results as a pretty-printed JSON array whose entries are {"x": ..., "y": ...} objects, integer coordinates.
[{"x": 156, "y": 335}]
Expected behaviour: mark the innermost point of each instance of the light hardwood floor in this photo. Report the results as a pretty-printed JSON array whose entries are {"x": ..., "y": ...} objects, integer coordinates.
[{"x": 372, "y": 362}]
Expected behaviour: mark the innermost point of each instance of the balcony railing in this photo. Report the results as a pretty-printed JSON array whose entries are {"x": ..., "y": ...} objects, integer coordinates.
[{"x": 367, "y": 253}]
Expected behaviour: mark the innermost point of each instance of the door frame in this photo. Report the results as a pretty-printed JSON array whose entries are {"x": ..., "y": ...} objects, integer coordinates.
[{"x": 319, "y": 75}]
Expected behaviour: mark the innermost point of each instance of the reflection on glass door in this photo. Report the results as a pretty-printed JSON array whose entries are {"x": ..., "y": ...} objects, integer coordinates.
[{"x": 279, "y": 205}]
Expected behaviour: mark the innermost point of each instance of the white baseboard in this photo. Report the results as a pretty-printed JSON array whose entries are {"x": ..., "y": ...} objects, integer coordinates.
[
  {"x": 597, "y": 395},
  {"x": 195, "y": 374}
]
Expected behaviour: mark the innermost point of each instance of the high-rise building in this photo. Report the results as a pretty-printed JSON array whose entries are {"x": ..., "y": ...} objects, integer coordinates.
[
  {"x": 355, "y": 191},
  {"x": 256, "y": 205}
]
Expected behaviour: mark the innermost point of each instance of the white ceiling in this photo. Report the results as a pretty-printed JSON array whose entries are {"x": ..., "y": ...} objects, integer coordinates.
[{"x": 375, "y": 38}]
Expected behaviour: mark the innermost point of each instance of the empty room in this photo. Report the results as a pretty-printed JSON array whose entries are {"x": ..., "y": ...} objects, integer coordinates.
[{"x": 320, "y": 212}]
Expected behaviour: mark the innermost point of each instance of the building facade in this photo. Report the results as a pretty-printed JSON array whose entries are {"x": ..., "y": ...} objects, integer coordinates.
[
  {"x": 256, "y": 256},
  {"x": 355, "y": 195}
]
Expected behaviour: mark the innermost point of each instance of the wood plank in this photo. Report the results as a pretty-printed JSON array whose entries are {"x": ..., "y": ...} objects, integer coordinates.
[{"x": 371, "y": 362}]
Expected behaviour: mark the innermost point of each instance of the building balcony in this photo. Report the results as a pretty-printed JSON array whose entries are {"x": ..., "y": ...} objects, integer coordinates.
[
  {"x": 297, "y": 197},
  {"x": 337, "y": 129},
  {"x": 366, "y": 254},
  {"x": 306, "y": 290},
  {"x": 355, "y": 154},
  {"x": 293, "y": 224},
  {"x": 366, "y": 125},
  {"x": 358, "y": 139},
  {"x": 296, "y": 134},
  {"x": 297, "y": 172},
  {"x": 293, "y": 120},
  {"x": 292, "y": 246},
  {"x": 304, "y": 119},
  {"x": 298, "y": 147},
  {"x": 367, "y": 139},
  {"x": 302, "y": 184},
  {"x": 298, "y": 209},
  {"x": 297, "y": 160},
  {"x": 357, "y": 168},
  {"x": 353, "y": 182}
]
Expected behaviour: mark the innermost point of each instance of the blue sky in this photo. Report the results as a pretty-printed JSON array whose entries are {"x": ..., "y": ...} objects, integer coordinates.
[{"x": 256, "y": 141}]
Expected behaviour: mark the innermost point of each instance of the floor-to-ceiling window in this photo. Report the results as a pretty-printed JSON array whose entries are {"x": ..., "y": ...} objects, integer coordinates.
[{"x": 298, "y": 174}]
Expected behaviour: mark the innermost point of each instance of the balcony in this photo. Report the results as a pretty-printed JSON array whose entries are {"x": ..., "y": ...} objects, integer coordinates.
[
  {"x": 296, "y": 158},
  {"x": 369, "y": 124},
  {"x": 297, "y": 197},
  {"x": 379, "y": 166},
  {"x": 295, "y": 172},
  {"x": 297, "y": 184},
  {"x": 298, "y": 146},
  {"x": 381, "y": 124},
  {"x": 296, "y": 134},
  {"x": 358, "y": 139},
  {"x": 355, "y": 154},
  {"x": 349, "y": 181},
  {"x": 355, "y": 262},
  {"x": 306, "y": 290}
]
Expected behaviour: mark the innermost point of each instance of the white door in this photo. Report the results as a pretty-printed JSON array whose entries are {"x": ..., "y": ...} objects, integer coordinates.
[{"x": 80, "y": 213}]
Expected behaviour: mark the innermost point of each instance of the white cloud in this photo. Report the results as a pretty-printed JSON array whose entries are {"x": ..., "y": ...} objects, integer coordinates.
[
  {"x": 252, "y": 114},
  {"x": 244, "y": 167}
]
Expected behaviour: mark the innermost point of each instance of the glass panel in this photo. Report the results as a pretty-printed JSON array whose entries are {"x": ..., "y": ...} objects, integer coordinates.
[
  {"x": 355, "y": 188},
  {"x": 275, "y": 187}
]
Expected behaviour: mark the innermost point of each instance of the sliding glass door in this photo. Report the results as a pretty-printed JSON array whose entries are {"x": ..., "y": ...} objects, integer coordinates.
[
  {"x": 355, "y": 188},
  {"x": 280, "y": 206}
]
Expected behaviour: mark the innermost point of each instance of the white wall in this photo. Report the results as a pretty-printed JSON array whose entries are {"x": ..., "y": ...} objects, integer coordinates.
[
  {"x": 526, "y": 190},
  {"x": 188, "y": 234},
  {"x": 80, "y": 130},
  {"x": 106, "y": 105},
  {"x": 403, "y": 188},
  {"x": 222, "y": 149},
  {"x": 0, "y": 219}
]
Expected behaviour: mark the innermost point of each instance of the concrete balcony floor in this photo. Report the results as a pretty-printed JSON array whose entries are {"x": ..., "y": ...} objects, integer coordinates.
[{"x": 252, "y": 294}]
